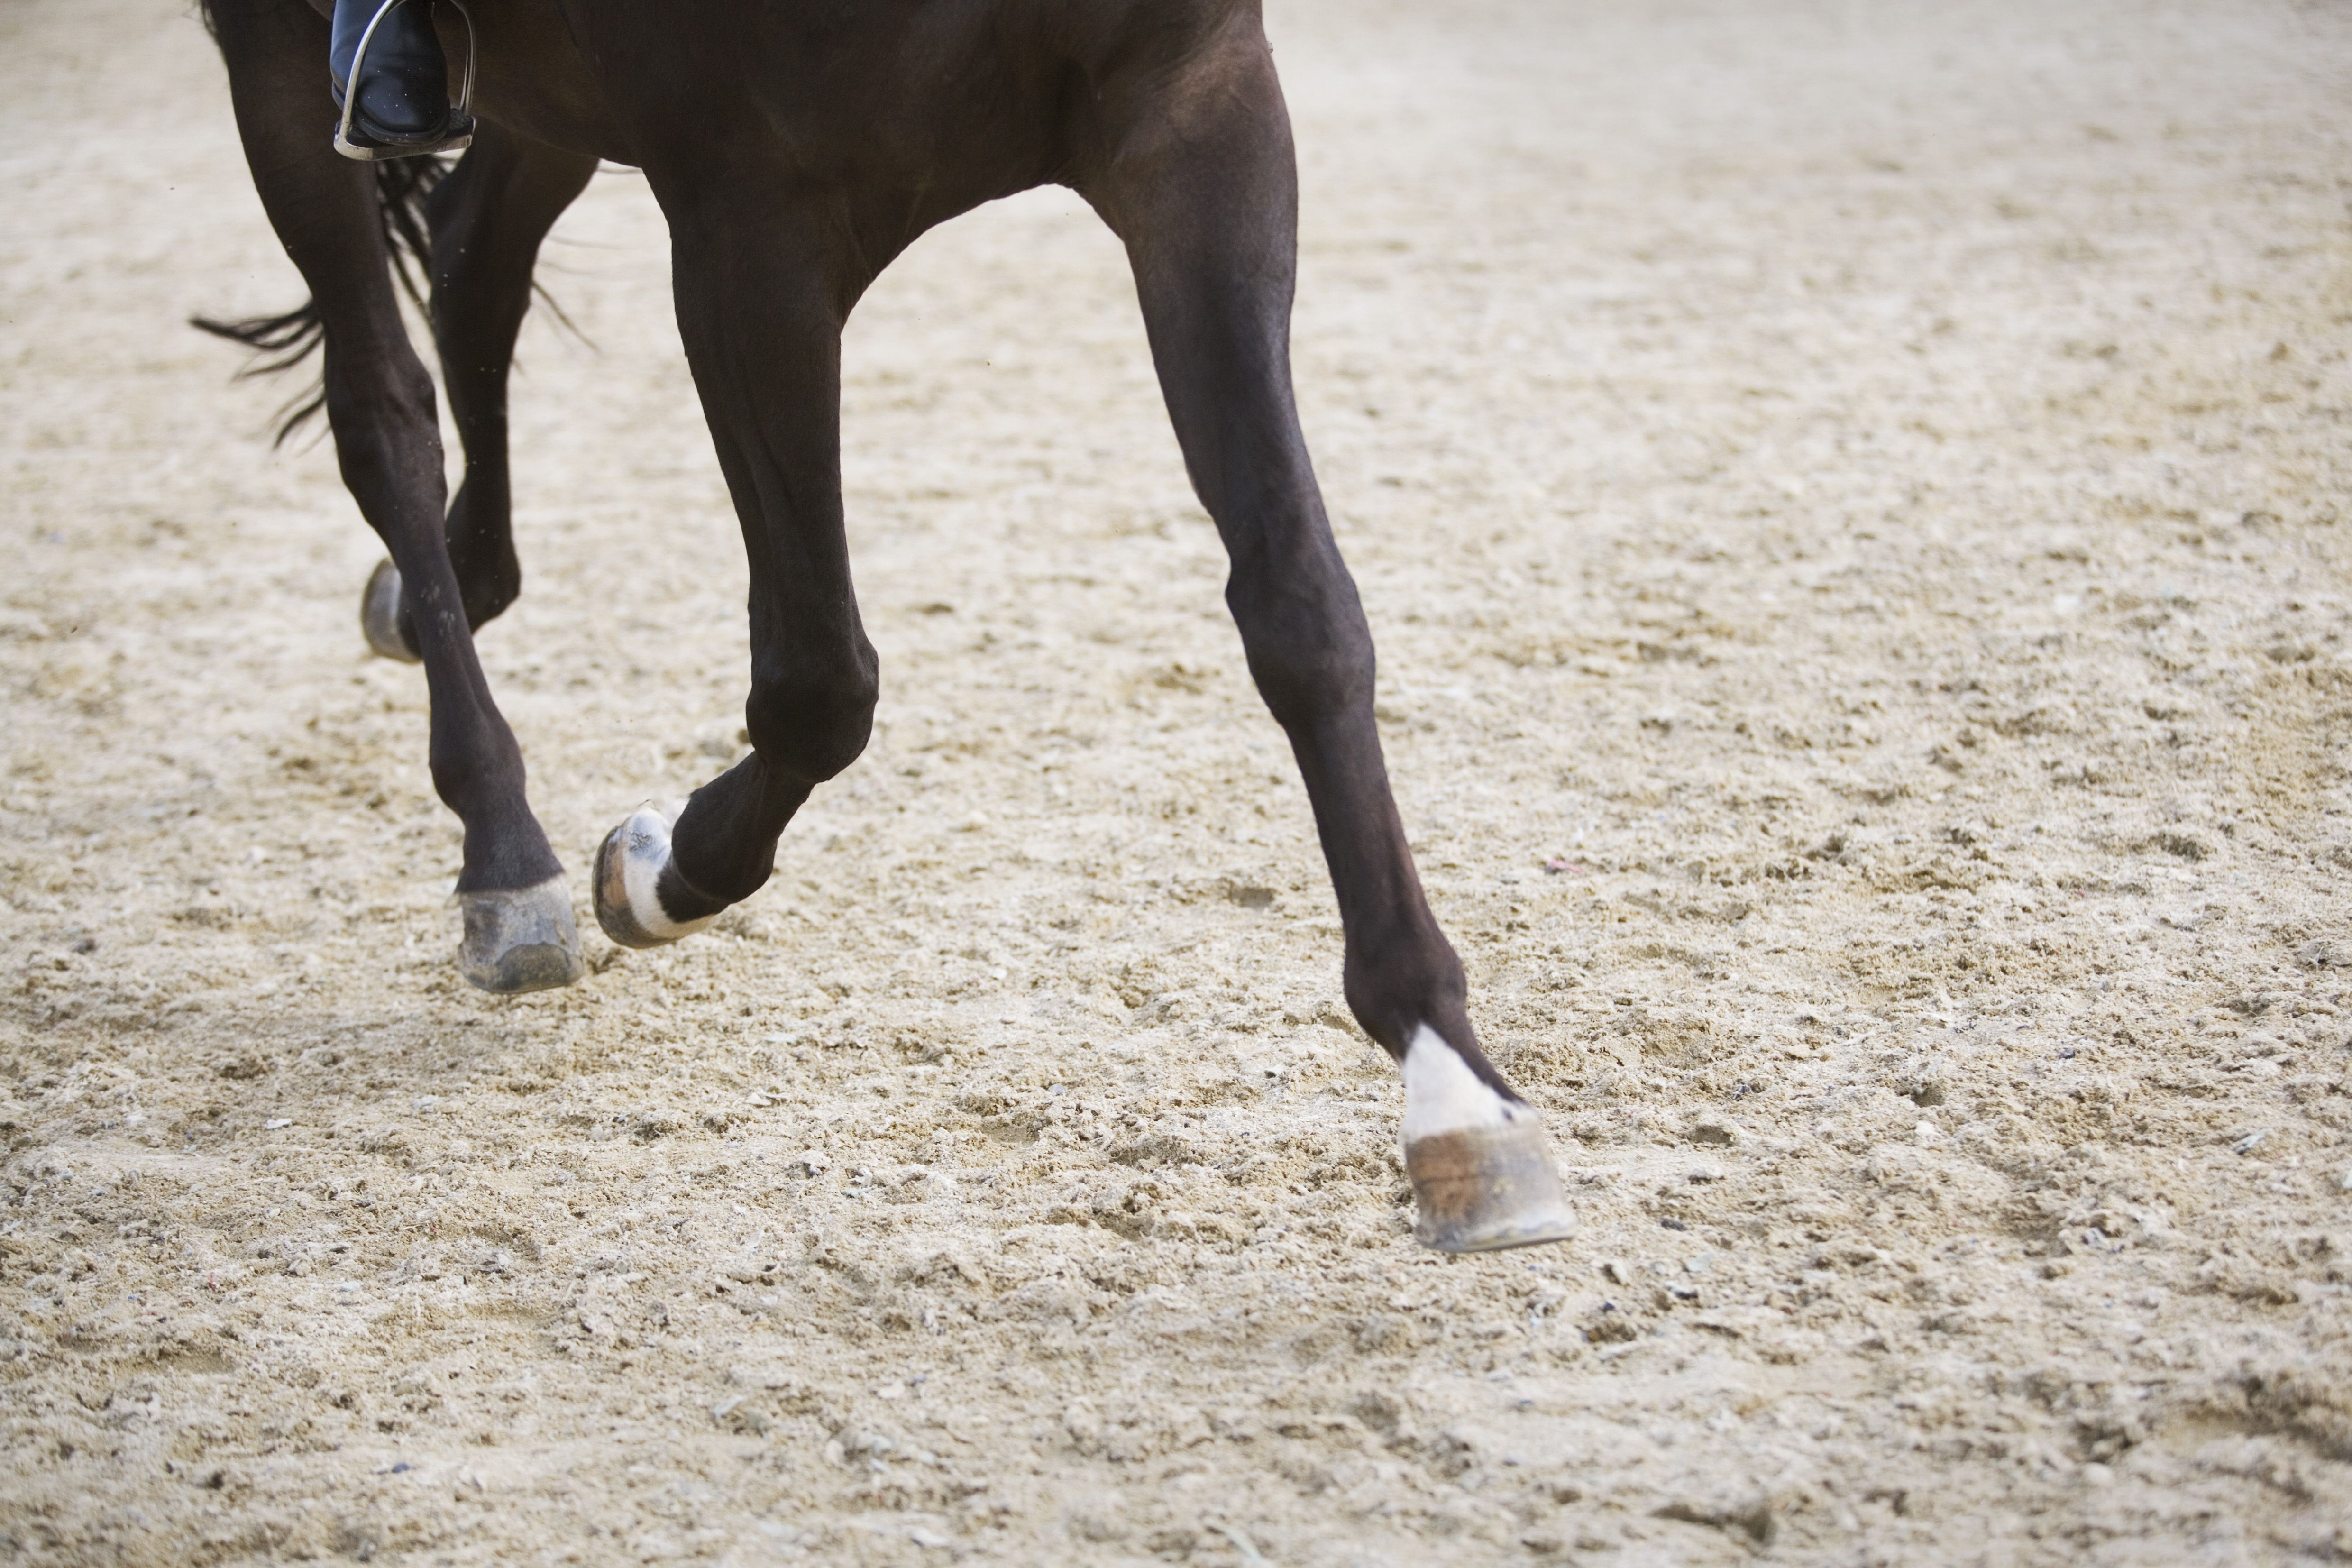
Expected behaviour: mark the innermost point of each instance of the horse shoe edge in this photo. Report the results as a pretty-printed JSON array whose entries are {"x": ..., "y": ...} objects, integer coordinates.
[
  {"x": 629, "y": 865},
  {"x": 380, "y": 614}
]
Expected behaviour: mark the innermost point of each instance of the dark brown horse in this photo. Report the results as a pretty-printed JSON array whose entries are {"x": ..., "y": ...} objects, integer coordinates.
[{"x": 796, "y": 147}]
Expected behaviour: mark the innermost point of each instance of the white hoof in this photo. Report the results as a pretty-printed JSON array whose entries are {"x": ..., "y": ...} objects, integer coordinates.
[
  {"x": 1482, "y": 1178},
  {"x": 380, "y": 612},
  {"x": 629, "y": 866},
  {"x": 520, "y": 940}
]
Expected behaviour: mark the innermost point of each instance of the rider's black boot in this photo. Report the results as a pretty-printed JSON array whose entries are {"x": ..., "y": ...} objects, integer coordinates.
[{"x": 399, "y": 106}]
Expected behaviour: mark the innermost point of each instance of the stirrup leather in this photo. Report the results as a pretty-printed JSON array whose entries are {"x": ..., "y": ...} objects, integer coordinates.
[{"x": 461, "y": 118}]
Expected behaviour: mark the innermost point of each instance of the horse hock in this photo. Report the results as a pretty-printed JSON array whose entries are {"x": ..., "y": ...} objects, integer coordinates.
[{"x": 522, "y": 939}]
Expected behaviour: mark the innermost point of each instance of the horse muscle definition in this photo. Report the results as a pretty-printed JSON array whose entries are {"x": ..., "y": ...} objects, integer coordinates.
[{"x": 795, "y": 148}]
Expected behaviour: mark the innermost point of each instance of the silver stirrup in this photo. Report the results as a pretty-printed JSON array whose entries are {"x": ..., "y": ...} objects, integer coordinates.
[{"x": 462, "y": 107}]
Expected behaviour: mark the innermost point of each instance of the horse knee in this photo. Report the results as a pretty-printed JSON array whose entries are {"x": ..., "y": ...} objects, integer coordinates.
[
  {"x": 812, "y": 718},
  {"x": 1308, "y": 648}
]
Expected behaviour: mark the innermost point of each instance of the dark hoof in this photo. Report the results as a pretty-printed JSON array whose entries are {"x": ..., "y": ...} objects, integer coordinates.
[
  {"x": 521, "y": 939},
  {"x": 629, "y": 865},
  {"x": 380, "y": 612},
  {"x": 1486, "y": 1188}
]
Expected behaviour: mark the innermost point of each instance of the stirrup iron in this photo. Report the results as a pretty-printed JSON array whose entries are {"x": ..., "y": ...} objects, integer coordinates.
[{"x": 460, "y": 112}]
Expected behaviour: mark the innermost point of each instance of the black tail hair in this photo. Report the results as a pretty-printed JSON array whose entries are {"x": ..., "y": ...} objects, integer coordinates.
[{"x": 402, "y": 187}]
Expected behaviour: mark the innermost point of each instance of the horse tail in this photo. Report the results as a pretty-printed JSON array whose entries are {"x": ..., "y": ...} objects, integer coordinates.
[{"x": 401, "y": 188}]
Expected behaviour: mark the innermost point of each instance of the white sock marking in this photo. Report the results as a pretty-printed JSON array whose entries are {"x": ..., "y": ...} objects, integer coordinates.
[
  {"x": 1443, "y": 1095},
  {"x": 644, "y": 851}
]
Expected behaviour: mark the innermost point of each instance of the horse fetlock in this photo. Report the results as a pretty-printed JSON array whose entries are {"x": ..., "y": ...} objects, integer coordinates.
[
  {"x": 811, "y": 728},
  {"x": 489, "y": 574},
  {"x": 1481, "y": 1177},
  {"x": 521, "y": 939},
  {"x": 380, "y": 614},
  {"x": 633, "y": 870},
  {"x": 1403, "y": 983}
]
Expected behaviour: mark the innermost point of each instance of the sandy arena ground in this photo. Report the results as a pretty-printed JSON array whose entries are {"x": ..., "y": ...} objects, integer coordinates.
[{"x": 1855, "y": 505}]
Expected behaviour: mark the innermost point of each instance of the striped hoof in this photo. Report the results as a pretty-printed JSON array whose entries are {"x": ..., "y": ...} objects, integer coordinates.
[
  {"x": 1481, "y": 1175},
  {"x": 380, "y": 612},
  {"x": 520, "y": 940},
  {"x": 629, "y": 867},
  {"x": 1485, "y": 1189}
]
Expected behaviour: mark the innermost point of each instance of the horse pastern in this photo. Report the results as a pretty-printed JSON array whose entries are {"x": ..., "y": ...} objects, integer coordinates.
[{"x": 1443, "y": 1093}]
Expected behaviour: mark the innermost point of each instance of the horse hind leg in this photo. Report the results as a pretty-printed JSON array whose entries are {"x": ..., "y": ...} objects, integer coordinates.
[
  {"x": 1204, "y": 196},
  {"x": 486, "y": 220}
]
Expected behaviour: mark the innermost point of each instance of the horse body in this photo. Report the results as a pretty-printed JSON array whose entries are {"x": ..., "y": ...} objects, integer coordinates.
[
  {"x": 815, "y": 101},
  {"x": 795, "y": 149}
]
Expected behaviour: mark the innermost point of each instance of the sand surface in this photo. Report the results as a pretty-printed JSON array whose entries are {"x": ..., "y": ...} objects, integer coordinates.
[{"x": 1862, "y": 490}]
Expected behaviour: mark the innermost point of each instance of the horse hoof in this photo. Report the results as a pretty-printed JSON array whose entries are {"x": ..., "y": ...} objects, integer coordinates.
[
  {"x": 520, "y": 940},
  {"x": 1482, "y": 1189},
  {"x": 380, "y": 612},
  {"x": 629, "y": 865},
  {"x": 1481, "y": 1175}
]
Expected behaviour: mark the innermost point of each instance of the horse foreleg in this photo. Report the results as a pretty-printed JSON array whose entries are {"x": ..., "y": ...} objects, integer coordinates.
[
  {"x": 1204, "y": 193},
  {"x": 519, "y": 931},
  {"x": 487, "y": 218},
  {"x": 762, "y": 335}
]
